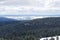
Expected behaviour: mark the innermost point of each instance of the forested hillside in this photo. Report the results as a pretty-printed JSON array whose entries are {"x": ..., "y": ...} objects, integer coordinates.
[{"x": 30, "y": 30}]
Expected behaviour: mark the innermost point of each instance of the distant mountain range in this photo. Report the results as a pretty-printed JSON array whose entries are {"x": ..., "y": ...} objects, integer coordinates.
[
  {"x": 38, "y": 28},
  {"x": 2, "y": 19}
]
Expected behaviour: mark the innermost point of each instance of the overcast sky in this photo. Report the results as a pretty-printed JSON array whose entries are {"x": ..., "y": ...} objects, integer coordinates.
[{"x": 29, "y": 7}]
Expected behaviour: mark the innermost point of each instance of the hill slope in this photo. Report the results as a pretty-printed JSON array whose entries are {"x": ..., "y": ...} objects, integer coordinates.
[{"x": 37, "y": 28}]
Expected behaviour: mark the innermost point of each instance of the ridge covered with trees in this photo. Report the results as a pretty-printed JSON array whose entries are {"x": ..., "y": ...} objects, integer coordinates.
[{"x": 30, "y": 30}]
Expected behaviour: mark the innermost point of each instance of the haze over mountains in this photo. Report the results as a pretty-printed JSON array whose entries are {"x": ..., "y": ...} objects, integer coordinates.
[
  {"x": 11, "y": 18},
  {"x": 17, "y": 18}
]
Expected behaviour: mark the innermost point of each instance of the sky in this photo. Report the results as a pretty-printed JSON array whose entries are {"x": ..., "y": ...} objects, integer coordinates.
[{"x": 29, "y": 7}]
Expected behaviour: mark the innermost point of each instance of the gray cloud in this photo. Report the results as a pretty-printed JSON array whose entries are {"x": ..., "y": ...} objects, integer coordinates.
[
  {"x": 15, "y": 2},
  {"x": 46, "y": 7},
  {"x": 23, "y": 2},
  {"x": 57, "y": 4},
  {"x": 2, "y": 0}
]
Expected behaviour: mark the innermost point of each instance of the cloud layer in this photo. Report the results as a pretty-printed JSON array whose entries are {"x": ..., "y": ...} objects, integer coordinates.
[{"x": 29, "y": 7}]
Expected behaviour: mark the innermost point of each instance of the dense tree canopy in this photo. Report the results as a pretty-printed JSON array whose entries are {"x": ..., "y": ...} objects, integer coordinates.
[{"x": 30, "y": 30}]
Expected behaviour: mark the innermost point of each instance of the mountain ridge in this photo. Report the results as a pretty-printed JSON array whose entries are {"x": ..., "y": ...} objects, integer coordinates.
[{"x": 39, "y": 28}]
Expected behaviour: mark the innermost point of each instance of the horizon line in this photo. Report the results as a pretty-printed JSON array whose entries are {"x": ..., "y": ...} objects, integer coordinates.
[{"x": 29, "y": 15}]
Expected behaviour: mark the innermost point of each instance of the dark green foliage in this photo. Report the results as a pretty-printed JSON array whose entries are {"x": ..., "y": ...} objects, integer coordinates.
[{"x": 30, "y": 30}]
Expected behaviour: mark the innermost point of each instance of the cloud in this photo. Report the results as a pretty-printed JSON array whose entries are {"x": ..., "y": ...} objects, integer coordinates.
[
  {"x": 29, "y": 7},
  {"x": 2, "y": 0}
]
